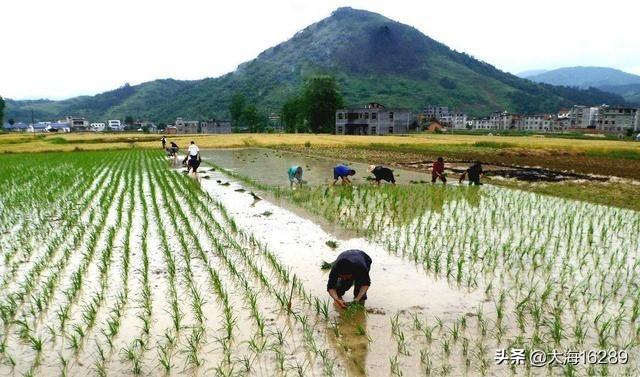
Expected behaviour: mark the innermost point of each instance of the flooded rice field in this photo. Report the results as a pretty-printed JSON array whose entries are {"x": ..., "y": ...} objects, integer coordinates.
[
  {"x": 270, "y": 166},
  {"x": 117, "y": 263}
]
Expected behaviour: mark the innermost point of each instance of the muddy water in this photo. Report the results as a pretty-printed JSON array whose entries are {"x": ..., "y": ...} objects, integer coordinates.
[
  {"x": 398, "y": 286},
  {"x": 270, "y": 166}
]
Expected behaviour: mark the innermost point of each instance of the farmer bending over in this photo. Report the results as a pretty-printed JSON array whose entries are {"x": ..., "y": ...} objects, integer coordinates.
[
  {"x": 382, "y": 173},
  {"x": 342, "y": 172},
  {"x": 295, "y": 173},
  {"x": 194, "y": 158},
  {"x": 173, "y": 149},
  {"x": 437, "y": 171},
  {"x": 474, "y": 173},
  {"x": 351, "y": 267}
]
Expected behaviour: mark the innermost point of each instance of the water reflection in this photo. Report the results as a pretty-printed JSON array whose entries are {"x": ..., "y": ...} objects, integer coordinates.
[
  {"x": 353, "y": 339},
  {"x": 270, "y": 166}
]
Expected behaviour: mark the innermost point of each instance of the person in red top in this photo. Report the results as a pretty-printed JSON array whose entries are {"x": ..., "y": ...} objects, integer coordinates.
[{"x": 438, "y": 171}]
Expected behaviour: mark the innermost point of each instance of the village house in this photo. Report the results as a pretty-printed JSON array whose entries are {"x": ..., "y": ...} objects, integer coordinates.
[
  {"x": 481, "y": 123},
  {"x": 436, "y": 112},
  {"x": 77, "y": 124},
  {"x": 216, "y": 127},
  {"x": 444, "y": 116},
  {"x": 97, "y": 127},
  {"x": 372, "y": 119},
  {"x": 459, "y": 121},
  {"x": 583, "y": 116},
  {"x": 187, "y": 126},
  {"x": 618, "y": 119}
]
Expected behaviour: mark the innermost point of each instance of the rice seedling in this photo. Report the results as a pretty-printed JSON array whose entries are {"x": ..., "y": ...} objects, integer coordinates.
[{"x": 395, "y": 366}]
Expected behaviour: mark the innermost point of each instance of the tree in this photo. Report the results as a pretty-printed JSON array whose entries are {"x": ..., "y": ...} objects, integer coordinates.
[
  {"x": 292, "y": 115},
  {"x": 251, "y": 118},
  {"x": 1, "y": 113},
  {"x": 11, "y": 121},
  {"x": 321, "y": 99},
  {"x": 128, "y": 122},
  {"x": 237, "y": 108}
]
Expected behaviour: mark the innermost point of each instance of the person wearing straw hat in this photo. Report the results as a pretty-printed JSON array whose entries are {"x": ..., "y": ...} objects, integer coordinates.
[{"x": 382, "y": 173}]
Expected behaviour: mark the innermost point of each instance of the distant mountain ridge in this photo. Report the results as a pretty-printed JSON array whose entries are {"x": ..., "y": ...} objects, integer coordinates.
[
  {"x": 531, "y": 72},
  {"x": 607, "y": 79},
  {"x": 373, "y": 59}
]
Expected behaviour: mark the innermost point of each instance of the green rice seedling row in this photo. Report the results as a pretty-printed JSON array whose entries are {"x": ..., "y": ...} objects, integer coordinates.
[{"x": 115, "y": 263}]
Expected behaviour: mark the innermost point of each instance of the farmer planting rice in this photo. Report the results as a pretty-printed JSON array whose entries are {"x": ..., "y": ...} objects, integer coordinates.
[
  {"x": 351, "y": 267},
  {"x": 295, "y": 173},
  {"x": 343, "y": 172},
  {"x": 437, "y": 171},
  {"x": 382, "y": 173},
  {"x": 474, "y": 172},
  {"x": 173, "y": 149},
  {"x": 193, "y": 158}
]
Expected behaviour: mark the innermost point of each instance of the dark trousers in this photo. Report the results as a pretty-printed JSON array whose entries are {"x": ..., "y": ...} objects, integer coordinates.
[
  {"x": 435, "y": 177},
  {"x": 474, "y": 181},
  {"x": 342, "y": 286}
]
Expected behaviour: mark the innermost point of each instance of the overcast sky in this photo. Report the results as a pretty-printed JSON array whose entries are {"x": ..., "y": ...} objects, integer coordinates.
[{"x": 63, "y": 48}]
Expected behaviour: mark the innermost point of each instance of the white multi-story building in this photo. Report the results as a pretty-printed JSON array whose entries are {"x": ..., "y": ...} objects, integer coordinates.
[
  {"x": 583, "y": 116},
  {"x": 539, "y": 123},
  {"x": 501, "y": 120},
  {"x": 458, "y": 121},
  {"x": 76, "y": 123},
  {"x": 97, "y": 127},
  {"x": 436, "y": 112},
  {"x": 481, "y": 123},
  {"x": 114, "y": 125}
]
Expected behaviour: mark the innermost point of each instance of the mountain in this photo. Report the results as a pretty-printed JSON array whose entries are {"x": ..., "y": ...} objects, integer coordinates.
[
  {"x": 630, "y": 92},
  {"x": 585, "y": 77},
  {"x": 531, "y": 72},
  {"x": 607, "y": 79},
  {"x": 373, "y": 59}
]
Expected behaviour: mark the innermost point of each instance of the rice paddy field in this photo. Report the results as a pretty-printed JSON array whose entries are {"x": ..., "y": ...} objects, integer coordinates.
[{"x": 116, "y": 263}]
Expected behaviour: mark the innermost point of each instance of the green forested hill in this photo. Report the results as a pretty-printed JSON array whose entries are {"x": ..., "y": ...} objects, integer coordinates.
[{"x": 373, "y": 59}]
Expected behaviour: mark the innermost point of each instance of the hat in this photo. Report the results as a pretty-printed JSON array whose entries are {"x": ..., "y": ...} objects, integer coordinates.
[{"x": 370, "y": 168}]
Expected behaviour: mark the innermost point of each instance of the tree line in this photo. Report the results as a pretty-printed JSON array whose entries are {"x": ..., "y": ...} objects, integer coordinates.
[{"x": 312, "y": 109}]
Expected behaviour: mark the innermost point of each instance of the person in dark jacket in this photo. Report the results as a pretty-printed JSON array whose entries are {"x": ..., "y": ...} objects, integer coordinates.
[
  {"x": 173, "y": 149},
  {"x": 351, "y": 268},
  {"x": 474, "y": 172},
  {"x": 382, "y": 173}
]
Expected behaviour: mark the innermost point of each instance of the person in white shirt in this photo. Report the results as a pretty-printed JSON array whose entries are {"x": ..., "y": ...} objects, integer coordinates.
[{"x": 194, "y": 157}]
